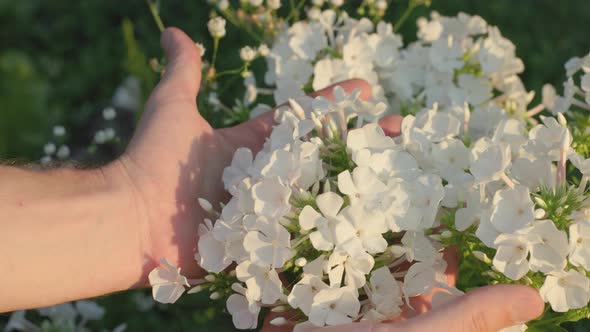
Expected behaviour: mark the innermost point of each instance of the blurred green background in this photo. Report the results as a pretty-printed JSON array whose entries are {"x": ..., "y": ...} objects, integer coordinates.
[{"x": 61, "y": 61}]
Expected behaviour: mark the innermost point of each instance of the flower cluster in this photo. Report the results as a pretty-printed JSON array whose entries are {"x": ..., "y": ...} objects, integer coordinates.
[
  {"x": 337, "y": 212},
  {"x": 338, "y": 222}
]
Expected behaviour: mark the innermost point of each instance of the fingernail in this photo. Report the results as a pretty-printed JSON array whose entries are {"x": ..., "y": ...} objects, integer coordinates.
[{"x": 527, "y": 306}]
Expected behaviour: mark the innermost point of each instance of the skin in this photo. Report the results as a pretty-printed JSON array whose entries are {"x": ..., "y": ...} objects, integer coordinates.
[{"x": 68, "y": 234}]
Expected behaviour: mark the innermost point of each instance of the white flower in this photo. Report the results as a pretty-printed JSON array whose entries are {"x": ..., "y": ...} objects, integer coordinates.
[
  {"x": 579, "y": 245},
  {"x": 63, "y": 152},
  {"x": 89, "y": 310},
  {"x": 513, "y": 209},
  {"x": 437, "y": 125},
  {"x": 417, "y": 247},
  {"x": 303, "y": 293},
  {"x": 360, "y": 230},
  {"x": 262, "y": 283},
  {"x": 273, "y": 4},
  {"x": 109, "y": 113},
  {"x": 238, "y": 170},
  {"x": 211, "y": 254},
  {"x": 566, "y": 290},
  {"x": 370, "y": 137},
  {"x": 61, "y": 313},
  {"x": 329, "y": 204},
  {"x": 450, "y": 157},
  {"x": 583, "y": 165},
  {"x": 445, "y": 54},
  {"x": 548, "y": 246},
  {"x": 271, "y": 198},
  {"x": 269, "y": 244},
  {"x": 511, "y": 256},
  {"x": 489, "y": 160},
  {"x": 385, "y": 293},
  {"x": 334, "y": 306},
  {"x": 167, "y": 282},
  {"x": 422, "y": 277},
  {"x": 425, "y": 195},
  {"x": 216, "y": 27},
  {"x": 59, "y": 131},
  {"x": 244, "y": 315},
  {"x": 363, "y": 187},
  {"x": 353, "y": 269},
  {"x": 49, "y": 148},
  {"x": 247, "y": 54}
]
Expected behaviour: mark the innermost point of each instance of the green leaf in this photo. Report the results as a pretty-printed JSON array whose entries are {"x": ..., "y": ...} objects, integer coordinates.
[{"x": 546, "y": 328}]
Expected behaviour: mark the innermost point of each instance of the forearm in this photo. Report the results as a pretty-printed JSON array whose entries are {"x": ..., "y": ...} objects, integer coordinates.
[{"x": 65, "y": 234}]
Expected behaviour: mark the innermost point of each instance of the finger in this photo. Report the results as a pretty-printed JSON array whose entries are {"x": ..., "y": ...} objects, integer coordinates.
[
  {"x": 254, "y": 131},
  {"x": 392, "y": 125},
  {"x": 182, "y": 76},
  {"x": 487, "y": 309}
]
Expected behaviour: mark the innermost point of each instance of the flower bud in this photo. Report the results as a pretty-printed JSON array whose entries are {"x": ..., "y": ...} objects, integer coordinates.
[
  {"x": 540, "y": 214},
  {"x": 280, "y": 308},
  {"x": 215, "y": 296},
  {"x": 540, "y": 202},
  {"x": 216, "y": 27},
  {"x": 301, "y": 262},
  {"x": 210, "y": 278},
  {"x": 446, "y": 234},
  {"x": 205, "y": 204},
  {"x": 279, "y": 321},
  {"x": 482, "y": 256},
  {"x": 195, "y": 289}
]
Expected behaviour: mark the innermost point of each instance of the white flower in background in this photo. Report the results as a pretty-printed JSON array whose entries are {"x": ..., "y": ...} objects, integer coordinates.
[
  {"x": 329, "y": 204},
  {"x": 566, "y": 290},
  {"x": 273, "y": 4},
  {"x": 216, "y": 27},
  {"x": 511, "y": 256},
  {"x": 334, "y": 306},
  {"x": 109, "y": 113},
  {"x": 63, "y": 152},
  {"x": 49, "y": 148},
  {"x": 243, "y": 315},
  {"x": 548, "y": 246},
  {"x": 256, "y": 3},
  {"x": 446, "y": 54},
  {"x": 89, "y": 310},
  {"x": 247, "y": 54},
  {"x": 61, "y": 313},
  {"x": 269, "y": 244},
  {"x": 167, "y": 282},
  {"x": 513, "y": 209},
  {"x": 579, "y": 244},
  {"x": 263, "y": 283},
  {"x": 59, "y": 131}
]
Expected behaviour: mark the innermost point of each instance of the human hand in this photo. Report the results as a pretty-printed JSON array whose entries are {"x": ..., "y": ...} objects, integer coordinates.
[
  {"x": 176, "y": 157},
  {"x": 487, "y": 309}
]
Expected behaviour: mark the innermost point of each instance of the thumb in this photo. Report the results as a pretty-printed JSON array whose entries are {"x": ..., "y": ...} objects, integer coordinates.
[
  {"x": 182, "y": 76},
  {"x": 487, "y": 309}
]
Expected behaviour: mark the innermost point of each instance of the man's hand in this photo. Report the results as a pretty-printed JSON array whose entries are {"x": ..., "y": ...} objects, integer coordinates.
[
  {"x": 487, "y": 309},
  {"x": 176, "y": 157}
]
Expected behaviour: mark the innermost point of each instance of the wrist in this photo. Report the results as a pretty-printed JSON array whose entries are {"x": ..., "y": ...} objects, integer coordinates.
[{"x": 121, "y": 181}]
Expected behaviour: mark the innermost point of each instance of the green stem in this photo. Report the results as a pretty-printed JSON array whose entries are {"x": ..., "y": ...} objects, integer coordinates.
[
  {"x": 215, "y": 48},
  {"x": 156, "y": 14},
  {"x": 405, "y": 16},
  {"x": 229, "y": 72}
]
